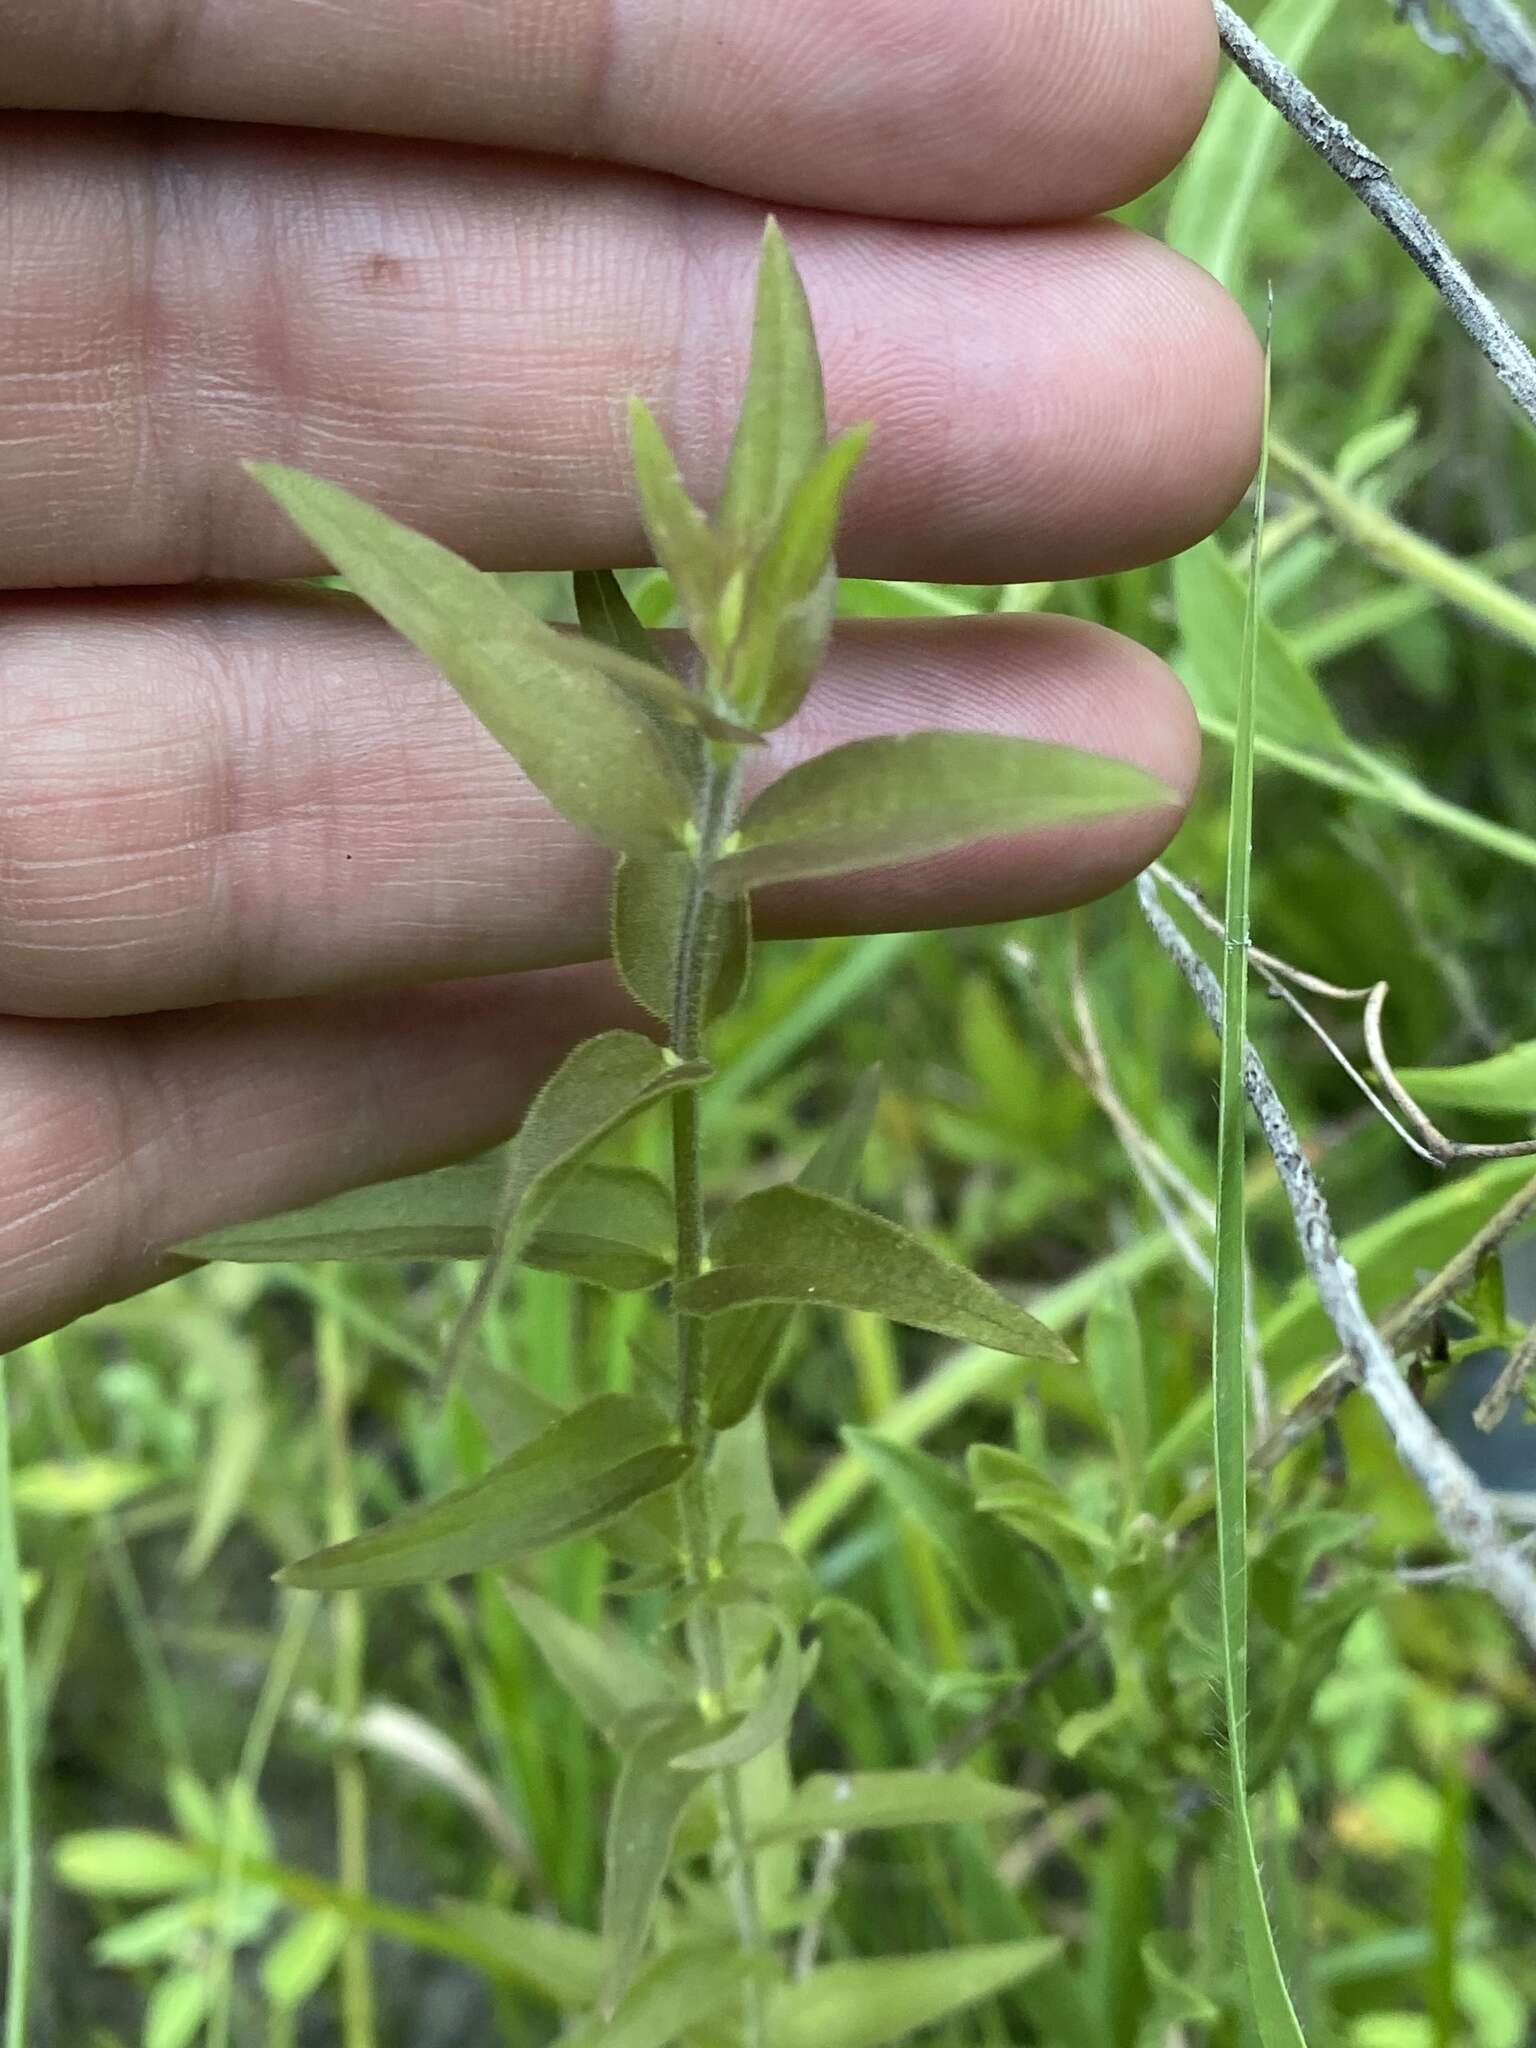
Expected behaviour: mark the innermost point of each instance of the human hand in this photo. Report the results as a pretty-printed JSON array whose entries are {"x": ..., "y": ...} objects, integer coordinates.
[{"x": 258, "y": 860}]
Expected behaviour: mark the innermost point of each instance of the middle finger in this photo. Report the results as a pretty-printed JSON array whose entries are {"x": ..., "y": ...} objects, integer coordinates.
[{"x": 452, "y": 331}]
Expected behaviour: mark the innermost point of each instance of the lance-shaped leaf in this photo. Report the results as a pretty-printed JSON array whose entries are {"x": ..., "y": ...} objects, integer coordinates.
[
  {"x": 855, "y": 1801},
  {"x": 787, "y": 1244},
  {"x": 682, "y": 540},
  {"x": 512, "y": 1413},
  {"x": 767, "y": 1720},
  {"x": 598, "y": 1086},
  {"x": 650, "y": 897},
  {"x": 574, "y": 1477},
  {"x": 1000, "y": 1573},
  {"x": 611, "y": 1225},
  {"x": 791, "y": 593},
  {"x": 679, "y": 1991},
  {"x": 560, "y": 1964},
  {"x": 1212, "y": 603},
  {"x": 899, "y": 798},
  {"x": 606, "y": 615},
  {"x": 871, "y": 2004},
  {"x": 606, "y": 1675},
  {"x": 782, "y": 427},
  {"x": 648, "y": 1803},
  {"x": 744, "y": 1345},
  {"x": 446, "y": 1214},
  {"x": 548, "y": 698},
  {"x": 1502, "y": 1085}
]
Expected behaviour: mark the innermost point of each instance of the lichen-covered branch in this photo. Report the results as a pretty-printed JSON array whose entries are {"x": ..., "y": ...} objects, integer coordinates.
[{"x": 1373, "y": 184}]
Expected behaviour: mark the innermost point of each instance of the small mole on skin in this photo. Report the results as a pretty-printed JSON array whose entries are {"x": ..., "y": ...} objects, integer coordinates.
[{"x": 382, "y": 269}]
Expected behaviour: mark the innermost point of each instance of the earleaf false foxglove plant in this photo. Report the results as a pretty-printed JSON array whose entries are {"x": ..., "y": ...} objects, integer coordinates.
[{"x": 651, "y": 766}]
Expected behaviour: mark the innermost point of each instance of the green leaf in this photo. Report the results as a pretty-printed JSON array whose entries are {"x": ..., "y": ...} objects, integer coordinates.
[
  {"x": 768, "y": 1719},
  {"x": 165, "y": 1934},
  {"x": 126, "y": 1863},
  {"x": 1504, "y": 1085},
  {"x": 682, "y": 540},
  {"x": 302, "y": 1957},
  {"x": 1235, "y": 154},
  {"x": 606, "y": 1675},
  {"x": 597, "y": 1087},
  {"x": 177, "y": 2007},
  {"x": 852, "y": 1803},
  {"x": 782, "y": 426},
  {"x": 1001, "y": 1575},
  {"x": 680, "y": 1991},
  {"x": 225, "y": 1476},
  {"x": 580, "y": 1473},
  {"x": 446, "y": 1214},
  {"x": 1030, "y": 1501},
  {"x": 870, "y": 2004},
  {"x": 562, "y": 1965},
  {"x": 650, "y": 896},
  {"x": 791, "y": 594},
  {"x": 605, "y": 614},
  {"x": 606, "y": 617},
  {"x": 1293, "y": 710},
  {"x": 608, "y": 1224},
  {"x": 648, "y": 1804},
  {"x": 546, "y": 697},
  {"x": 855, "y": 1634},
  {"x": 900, "y": 798},
  {"x": 744, "y": 1345},
  {"x": 788, "y": 1244}
]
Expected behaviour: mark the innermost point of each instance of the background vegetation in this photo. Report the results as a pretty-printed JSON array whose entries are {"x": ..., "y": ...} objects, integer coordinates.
[{"x": 172, "y": 1452}]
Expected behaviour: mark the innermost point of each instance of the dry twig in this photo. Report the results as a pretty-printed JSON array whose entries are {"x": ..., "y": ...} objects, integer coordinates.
[
  {"x": 1372, "y": 183},
  {"x": 1499, "y": 29},
  {"x": 1518, "y": 1367}
]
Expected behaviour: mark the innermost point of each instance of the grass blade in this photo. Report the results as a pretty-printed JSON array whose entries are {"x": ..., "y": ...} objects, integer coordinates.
[
  {"x": 18, "y": 1737},
  {"x": 1273, "y": 2012}
]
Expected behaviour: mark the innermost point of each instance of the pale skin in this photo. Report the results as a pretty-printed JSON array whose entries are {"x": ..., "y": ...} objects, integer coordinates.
[{"x": 275, "y": 916}]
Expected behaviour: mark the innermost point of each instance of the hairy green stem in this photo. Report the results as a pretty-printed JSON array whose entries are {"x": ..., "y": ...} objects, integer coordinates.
[
  {"x": 693, "y": 968},
  {"x": 349, "y": 1651},
  {"x": 13, "y": 1640}
]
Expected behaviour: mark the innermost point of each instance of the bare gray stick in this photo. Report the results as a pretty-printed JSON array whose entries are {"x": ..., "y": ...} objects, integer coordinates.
[
  {"x": 1419, "y": 18},
  {"x": 1467, "y": 1517},
  {"x": 1518, "y": 1367},
  {"x": 1373, "y": 185},
  {"x": 1506, "y": 38}
]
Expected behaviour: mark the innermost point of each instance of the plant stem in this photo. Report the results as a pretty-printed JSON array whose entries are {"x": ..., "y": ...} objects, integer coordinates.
[
  {"x": 13, "y": 1640},
  {"x": 241, "y": 1801},
  {"x": 348, "y": 1656},
  {"x": 693, "y": 967}
]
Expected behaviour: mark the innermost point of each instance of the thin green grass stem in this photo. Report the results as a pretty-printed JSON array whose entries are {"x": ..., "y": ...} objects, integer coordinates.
[{"x": 18, "y": 1742}]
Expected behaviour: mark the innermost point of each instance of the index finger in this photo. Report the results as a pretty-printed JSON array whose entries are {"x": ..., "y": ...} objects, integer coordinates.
[{"x": 975, "y": 110}]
